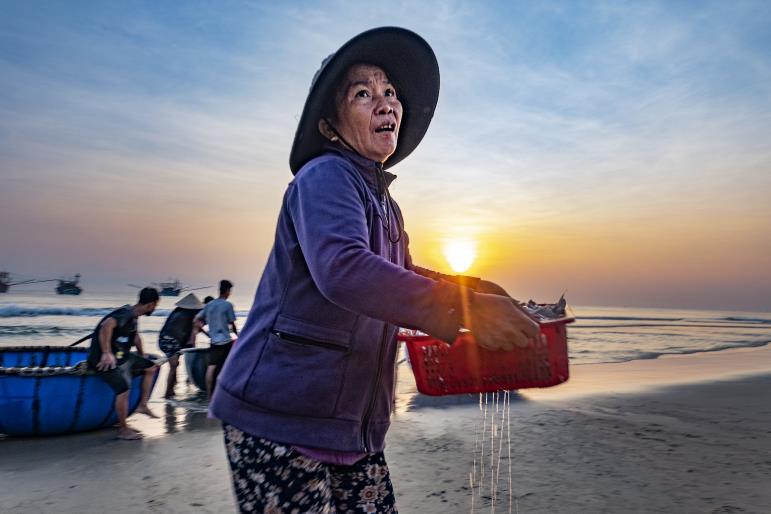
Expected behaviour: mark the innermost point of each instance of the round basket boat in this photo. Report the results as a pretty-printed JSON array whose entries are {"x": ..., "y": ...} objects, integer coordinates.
[
  {"x": 196, "y": 361},
  {"x": 48, "y": 390}
]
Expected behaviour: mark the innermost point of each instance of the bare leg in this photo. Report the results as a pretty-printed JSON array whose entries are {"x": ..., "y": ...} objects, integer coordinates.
[
  {"x": 121, "y": 409},
  {"x": 172, "y": 381},
  {"x": 147, "y": 385},
  {"x": 210, "y": 378}
]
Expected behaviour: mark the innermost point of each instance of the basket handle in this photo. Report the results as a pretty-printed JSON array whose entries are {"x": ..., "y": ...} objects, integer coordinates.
[{"x": 412, "y": 339}]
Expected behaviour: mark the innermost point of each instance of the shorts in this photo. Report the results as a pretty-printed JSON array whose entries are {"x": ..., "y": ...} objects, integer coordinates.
[
  {"x": 119, "y": 378},
  {"x": 218, "y": 353},
  {"x": 170, "y": 346}
]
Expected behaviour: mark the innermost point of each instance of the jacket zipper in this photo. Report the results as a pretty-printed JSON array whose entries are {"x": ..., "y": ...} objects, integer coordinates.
[
  {"x": 309, "y": 342},
  {"x": 373, "y": 389}
]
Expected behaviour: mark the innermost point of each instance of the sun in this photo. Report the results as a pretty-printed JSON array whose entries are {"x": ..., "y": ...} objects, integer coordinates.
[{"x": 460, "y": 254}]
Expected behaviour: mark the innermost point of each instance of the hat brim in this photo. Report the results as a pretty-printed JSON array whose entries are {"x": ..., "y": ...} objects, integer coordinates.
[
  {"x": 408, "y": 61},
  {"x": 190, "y": 302}
]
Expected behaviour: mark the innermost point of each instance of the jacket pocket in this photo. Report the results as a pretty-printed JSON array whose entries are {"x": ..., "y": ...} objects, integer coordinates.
[
  {"x": 290, "y": 338},
  {"x": 298, "y": 373}
]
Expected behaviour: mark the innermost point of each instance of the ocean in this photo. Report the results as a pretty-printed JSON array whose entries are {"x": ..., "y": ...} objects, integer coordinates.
[{"x": 600, "y": 334}]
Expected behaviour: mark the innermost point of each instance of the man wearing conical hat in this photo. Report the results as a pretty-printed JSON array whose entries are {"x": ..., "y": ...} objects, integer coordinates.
[{"x": 176, "y": 334}]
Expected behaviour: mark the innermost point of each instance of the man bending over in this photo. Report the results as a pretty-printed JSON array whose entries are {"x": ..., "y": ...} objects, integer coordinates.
[{"x": 110, "y": 355}]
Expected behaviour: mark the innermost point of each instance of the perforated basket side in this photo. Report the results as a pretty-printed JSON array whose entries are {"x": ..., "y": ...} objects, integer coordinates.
[{"x": 465, "y": 367}]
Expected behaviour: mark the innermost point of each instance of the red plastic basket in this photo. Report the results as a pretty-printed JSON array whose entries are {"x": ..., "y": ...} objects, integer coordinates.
[{"x": 464, "y": 367}]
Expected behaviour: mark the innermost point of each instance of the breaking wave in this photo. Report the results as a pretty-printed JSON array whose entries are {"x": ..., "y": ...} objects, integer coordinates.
[
  {"x": 762, "y": 321},
  {"x": 26, "y": 330},
  {"x": 20, "y": 311},
  {"x": 690, "y": 351}
]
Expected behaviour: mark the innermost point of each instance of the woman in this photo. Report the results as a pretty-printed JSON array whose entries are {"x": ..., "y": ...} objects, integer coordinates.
[
  {"x": 176, "y": 334},
  {"x": 306, "y": 395}
]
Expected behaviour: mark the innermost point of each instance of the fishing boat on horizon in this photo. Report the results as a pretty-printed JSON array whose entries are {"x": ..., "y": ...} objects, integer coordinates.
[
  {"x": 6, "y": 282},
  {"x": 171, "y": 287},
  {"x": 69, "y": 286}
]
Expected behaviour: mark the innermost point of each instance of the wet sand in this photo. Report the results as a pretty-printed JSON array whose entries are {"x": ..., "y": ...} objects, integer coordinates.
[{"x": 683, "y": 434}]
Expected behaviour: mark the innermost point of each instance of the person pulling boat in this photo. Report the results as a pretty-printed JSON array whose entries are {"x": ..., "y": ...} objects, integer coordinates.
[
  {"x": 111, "y": 357},
  {"x": 177, "y": 334},
  {"x": 221, "y": 319}
]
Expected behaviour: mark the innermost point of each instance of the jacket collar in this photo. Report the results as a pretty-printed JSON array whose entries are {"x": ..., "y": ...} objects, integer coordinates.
[{"x": 367, "y": 167}]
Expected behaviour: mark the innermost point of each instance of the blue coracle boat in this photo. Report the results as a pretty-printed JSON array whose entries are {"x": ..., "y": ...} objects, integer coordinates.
[
  {"x": 47, "y": 390},
  {"x": 196, "y": 362}
]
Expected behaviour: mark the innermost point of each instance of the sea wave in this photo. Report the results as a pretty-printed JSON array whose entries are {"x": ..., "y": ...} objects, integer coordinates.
[
  {"x": 673, "y": 325},
  {"x": 26, "y": 330},
  {"x": 648, "y": 355},
  {"x": 21, "y": 311},
  {"x": 763, "y": 321},
  {"x": 695, "y": 321},
  {"x": 624, "y": 318}
]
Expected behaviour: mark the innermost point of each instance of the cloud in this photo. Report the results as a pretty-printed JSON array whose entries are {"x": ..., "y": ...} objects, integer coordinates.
[{"x": 595, "y": 120}]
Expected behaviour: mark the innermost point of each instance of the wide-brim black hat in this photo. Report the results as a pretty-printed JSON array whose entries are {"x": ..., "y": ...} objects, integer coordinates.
[{"x": 409, "y": 63}]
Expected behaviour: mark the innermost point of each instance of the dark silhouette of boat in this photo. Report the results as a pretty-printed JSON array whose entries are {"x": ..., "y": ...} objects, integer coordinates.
[
  {"x": 169, "y": 288},
  {"x": 172, "y": 287},
  {"x": 6, "y": 282},
  {"x": 47, "y": 390},
  {"x": 196, "y": 362},
  {"x": 69, "y": 286}
]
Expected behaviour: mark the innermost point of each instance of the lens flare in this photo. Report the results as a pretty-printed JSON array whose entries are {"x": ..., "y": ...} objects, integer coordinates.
[{"x": 460, "y": 254}]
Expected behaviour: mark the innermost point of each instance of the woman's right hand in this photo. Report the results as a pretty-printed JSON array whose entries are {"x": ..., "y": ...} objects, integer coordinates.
[{"x": 498, "y": 324}]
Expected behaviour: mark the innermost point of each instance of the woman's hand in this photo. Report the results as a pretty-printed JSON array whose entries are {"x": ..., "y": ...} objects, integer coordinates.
[{"x": 498, "y": 324}]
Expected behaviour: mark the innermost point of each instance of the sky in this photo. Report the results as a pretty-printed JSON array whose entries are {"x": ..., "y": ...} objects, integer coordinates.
[{"x": 616, "y": 150}]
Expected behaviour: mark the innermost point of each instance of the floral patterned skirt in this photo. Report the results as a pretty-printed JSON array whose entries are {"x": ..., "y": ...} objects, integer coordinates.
[{"x": 273, "y": 478}]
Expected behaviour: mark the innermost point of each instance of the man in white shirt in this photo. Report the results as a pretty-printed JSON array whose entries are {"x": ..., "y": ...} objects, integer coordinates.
[{"x": 221, "y": 318}]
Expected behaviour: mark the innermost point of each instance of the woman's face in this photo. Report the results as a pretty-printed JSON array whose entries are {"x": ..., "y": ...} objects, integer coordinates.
[{"x": 368, "y": 112}]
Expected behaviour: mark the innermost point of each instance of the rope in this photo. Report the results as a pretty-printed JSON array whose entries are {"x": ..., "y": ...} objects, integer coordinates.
[
  {"x": 81, "y": 368},
  {"x": 77, "y": 369}
]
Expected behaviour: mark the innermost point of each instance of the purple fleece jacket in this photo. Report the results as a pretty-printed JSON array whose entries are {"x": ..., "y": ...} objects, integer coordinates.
[{"x": 314, "y": 363}]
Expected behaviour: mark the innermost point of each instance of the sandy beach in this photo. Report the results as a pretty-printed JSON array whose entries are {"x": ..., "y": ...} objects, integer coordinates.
[{"x": 686, "y": 434}]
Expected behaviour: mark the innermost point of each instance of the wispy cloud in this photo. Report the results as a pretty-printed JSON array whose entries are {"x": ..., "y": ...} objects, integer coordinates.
[{"x": 593, "y": 121}]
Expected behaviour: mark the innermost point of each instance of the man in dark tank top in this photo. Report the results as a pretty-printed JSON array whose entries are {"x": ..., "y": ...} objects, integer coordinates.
[{"x": 110, "y": 355}]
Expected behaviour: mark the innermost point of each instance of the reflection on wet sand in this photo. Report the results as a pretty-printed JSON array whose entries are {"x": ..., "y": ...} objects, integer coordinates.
[
  {"x": 186, "y": 412},
  {"x": 419, "y": 401},
  {"x": 182, "y": 415}
]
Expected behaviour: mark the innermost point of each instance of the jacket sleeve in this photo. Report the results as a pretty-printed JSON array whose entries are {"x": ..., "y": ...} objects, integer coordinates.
[{"x": 327, "y": 207}]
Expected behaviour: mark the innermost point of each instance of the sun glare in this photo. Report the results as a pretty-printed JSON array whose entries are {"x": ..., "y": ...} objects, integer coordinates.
[{"x": 460, "y": 254}]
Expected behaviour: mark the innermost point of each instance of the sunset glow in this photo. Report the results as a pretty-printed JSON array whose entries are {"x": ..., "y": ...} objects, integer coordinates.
[
  {"x": 460, "y": 254},
  {"x": 623, "y": 157}
]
